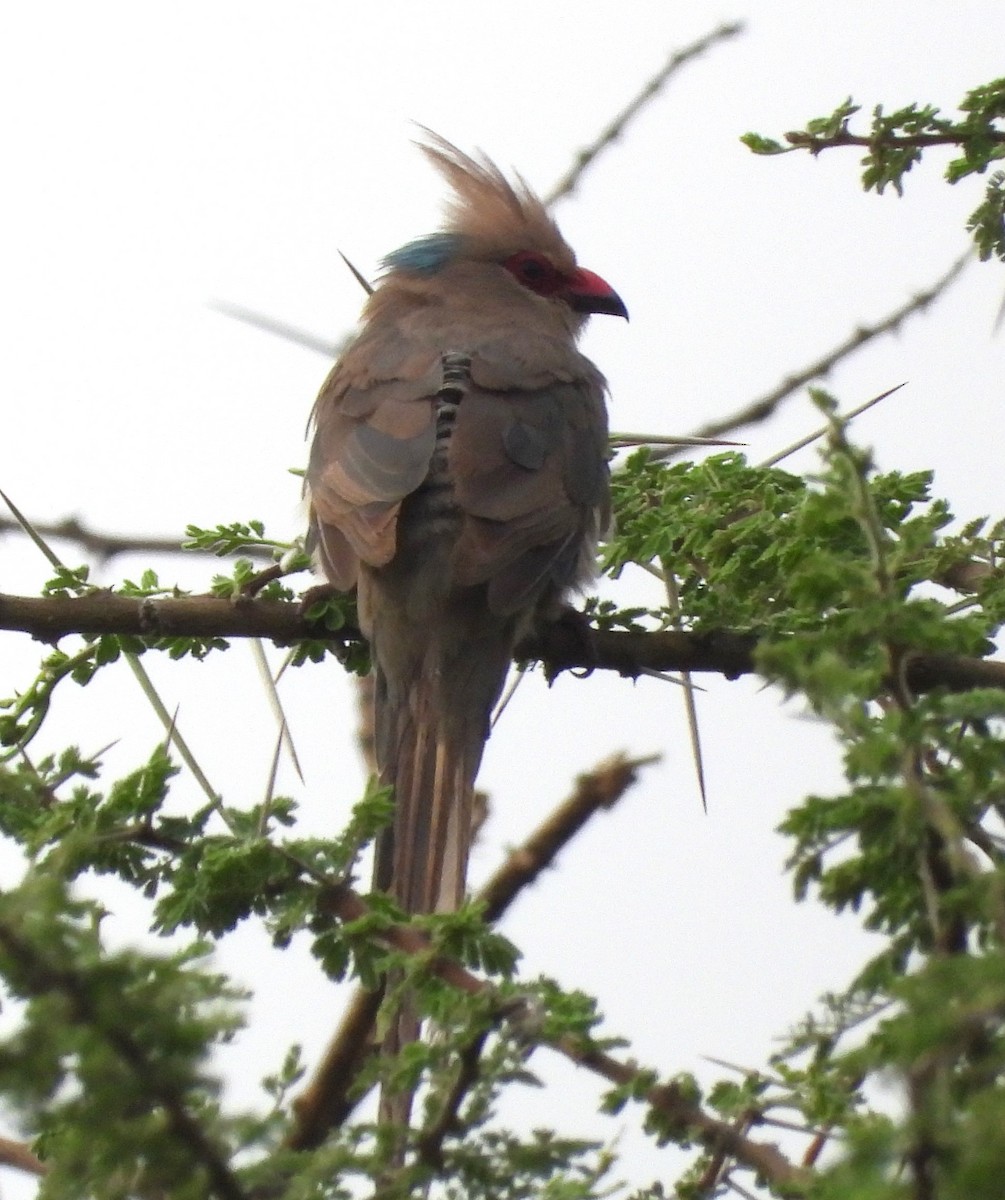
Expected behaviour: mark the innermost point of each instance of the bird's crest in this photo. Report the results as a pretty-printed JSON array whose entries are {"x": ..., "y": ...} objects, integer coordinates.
[{"x": 493, "y": 217}]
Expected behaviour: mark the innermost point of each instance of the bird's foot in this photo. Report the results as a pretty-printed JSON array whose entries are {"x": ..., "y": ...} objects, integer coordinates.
[
  {"x": 321, "y": 593},
  {"x": 576, "y": 637}
]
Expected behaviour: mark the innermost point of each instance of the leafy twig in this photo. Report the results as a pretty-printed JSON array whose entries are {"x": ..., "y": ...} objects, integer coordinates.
[
  {"x": 672, "y": 1102},
  {"x": 42, "y": 977},
  {"x": 327, "y": 1101},
  {"x": 723, "y": 652}
]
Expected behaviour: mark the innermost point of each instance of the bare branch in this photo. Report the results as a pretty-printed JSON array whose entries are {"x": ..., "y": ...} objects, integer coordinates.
[
  {"x": 105, "y": 546},
  {"x": 765, "y": 406},
  {"x": 617, "y": 125},
  {"x": 327, "y": 1100},
  {"x": 20, "y": 1156},
  {"x": 598, "y": 789}
]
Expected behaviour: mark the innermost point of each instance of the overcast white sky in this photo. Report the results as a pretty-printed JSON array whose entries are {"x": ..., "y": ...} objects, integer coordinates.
[{"x": 158, "y": 157}]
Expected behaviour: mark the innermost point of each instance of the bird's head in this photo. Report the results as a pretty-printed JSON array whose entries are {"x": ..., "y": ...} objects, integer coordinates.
[{"x": 491, "y": 221}]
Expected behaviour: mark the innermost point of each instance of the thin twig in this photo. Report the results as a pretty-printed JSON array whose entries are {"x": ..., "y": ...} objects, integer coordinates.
[
  {"x": 429, "y": 1144},
  {"x": 765, "y": 406},
  {"x": 718, "y": 1162},
  {"x": 617, "y": 125},
  {"x": 742, "y": 1192},
  {"x": 598, "y": 789},
  {"x": 280, "y": 329},
  {"x": 105, "y": 546},
  {"x": 799, "y": 139}
]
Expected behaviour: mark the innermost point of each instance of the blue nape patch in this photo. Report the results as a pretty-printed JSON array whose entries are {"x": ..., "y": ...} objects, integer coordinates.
[{"x": 426, "y": 255}]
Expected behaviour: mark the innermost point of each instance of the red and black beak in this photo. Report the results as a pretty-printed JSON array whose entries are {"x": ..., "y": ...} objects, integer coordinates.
[{"x": 588, "y": 293}]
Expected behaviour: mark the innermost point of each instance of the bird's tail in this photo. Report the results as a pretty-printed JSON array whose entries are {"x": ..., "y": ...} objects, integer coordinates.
[{"x": 431, "y": 729}]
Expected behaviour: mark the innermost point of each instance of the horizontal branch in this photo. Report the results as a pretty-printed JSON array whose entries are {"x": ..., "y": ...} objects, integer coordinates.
[
  {"x": 887, "y": 141},
  {"x": 105, "y": 546},
  {"x": 332, "y": 1093},
  {"x": 49, "y": 618},
  {"x": 559, "y": 647}
]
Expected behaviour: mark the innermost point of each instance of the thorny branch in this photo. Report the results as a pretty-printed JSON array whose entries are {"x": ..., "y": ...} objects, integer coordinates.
[
  {"x": 765, "y": 406},
  {"x": 558, "y": 647},
  {"x": 616, "y": 127},
  {"x": 598, "y": 789},
  {"x": 105, "y": 546}
]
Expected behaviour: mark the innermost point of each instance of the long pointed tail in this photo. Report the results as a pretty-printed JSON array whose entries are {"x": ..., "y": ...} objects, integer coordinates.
[{"x": 431, "y": 730}]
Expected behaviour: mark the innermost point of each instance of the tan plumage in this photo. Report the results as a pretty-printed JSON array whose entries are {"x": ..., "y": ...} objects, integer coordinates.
[{"x": 458, "y": 479}]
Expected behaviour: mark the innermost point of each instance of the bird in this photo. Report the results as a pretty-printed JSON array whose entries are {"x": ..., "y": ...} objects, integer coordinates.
[{"x": 458, "y": 480}]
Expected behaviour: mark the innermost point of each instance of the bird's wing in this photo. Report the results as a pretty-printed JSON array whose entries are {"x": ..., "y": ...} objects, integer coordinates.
[
  {"x": 529, "y": 463},
  {"x": 373, "y": 440}
]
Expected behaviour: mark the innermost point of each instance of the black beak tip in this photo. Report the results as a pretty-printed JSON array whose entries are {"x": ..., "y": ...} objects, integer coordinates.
[{"x": 609, "y": 304}]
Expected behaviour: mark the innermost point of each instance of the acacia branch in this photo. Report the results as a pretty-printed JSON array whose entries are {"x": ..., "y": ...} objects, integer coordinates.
[
  {"x": 44, "y": 977},
  {"x": 669, "y": 1100},
  {"x": 598, "y": 789},
  {"x": 105, "y": 546},
  {"x": 889, "y": 141},
  {"x": 648, "y": 92},
  {"x": 765, "y": 406},
  {"x": 328, "y": 1099},
  {"x": 559, "y": 647}
]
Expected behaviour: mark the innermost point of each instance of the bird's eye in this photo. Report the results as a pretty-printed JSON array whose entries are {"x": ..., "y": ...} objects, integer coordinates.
[{"x": 534, "y": 271}]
